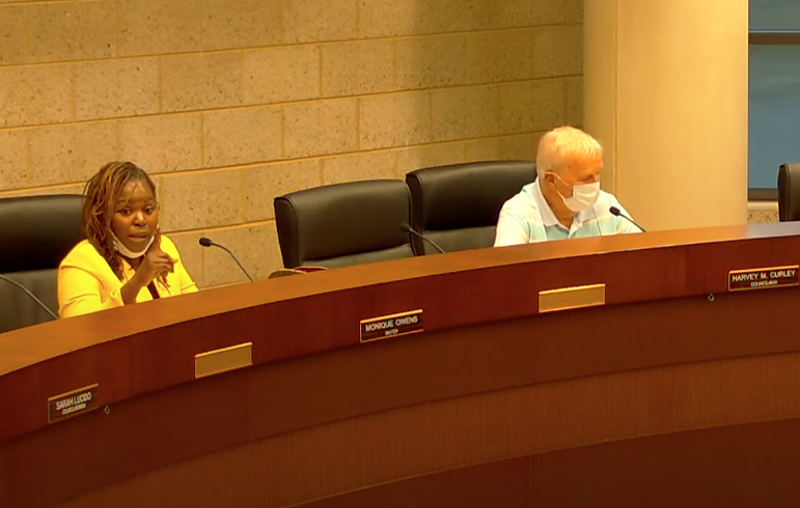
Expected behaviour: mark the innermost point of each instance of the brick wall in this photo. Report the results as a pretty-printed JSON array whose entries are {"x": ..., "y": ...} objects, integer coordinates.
[{"x": 231, "y": 103}]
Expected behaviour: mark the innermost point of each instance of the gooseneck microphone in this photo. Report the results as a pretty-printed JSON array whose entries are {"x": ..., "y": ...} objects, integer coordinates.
[
  {"x": 28, "y": 292},
  {"x": 208, "y": 242},
  {"x": 616, "y": 211},
  {"x": 405, "y": 227}
]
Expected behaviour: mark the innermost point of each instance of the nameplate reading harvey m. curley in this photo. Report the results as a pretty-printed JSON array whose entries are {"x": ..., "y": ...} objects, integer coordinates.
[
  {"x": 395, "y": 325},
  {"x": 762, "y": 278},
  {"x": 66, "y": 405}
]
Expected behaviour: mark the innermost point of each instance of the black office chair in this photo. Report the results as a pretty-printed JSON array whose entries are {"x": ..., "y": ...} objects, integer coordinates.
[
  {"x": 35, "y": 233},
  {"x": 457, "y": 206},
  {"x": 344, "y": 224},
  {"x": 789, "y": 192}
]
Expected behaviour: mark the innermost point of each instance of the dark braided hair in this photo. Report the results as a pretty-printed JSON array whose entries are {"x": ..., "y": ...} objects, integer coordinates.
[{"x": 101, "y": 194}]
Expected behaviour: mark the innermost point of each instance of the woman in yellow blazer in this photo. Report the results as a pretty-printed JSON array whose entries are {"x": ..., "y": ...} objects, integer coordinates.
[{"x": 125, "y": 258}]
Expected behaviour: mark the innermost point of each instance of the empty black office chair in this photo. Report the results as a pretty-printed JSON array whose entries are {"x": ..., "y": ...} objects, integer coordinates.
[
  {"x": 344, "y": 224},
  {"x": 35, "y": 233},
  {"x": 789, "y": 192},
  {"x": 457, "y": 206}
]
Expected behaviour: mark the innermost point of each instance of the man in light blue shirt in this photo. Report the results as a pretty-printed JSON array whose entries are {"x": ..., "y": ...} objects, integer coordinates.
[{"x": 565, "y": 201}]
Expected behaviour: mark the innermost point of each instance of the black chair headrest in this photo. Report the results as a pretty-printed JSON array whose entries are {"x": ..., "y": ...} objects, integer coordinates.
[
  {"x": 340, "y": 220},
  {"x": 789, "y": 192},
  {"x": 465, "y": 195},
  {"x": 38, "y": 231}
]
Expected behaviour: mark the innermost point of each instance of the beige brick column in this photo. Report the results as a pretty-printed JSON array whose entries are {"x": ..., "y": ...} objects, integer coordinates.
[{"x": 665, "y": 91}]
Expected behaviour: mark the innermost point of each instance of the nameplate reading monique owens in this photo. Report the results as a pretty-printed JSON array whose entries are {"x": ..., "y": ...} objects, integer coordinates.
[
  {"x": 74, "y": 403},
  {"x": 762, "y": 278},
  {"x": 385, "y": 327}
]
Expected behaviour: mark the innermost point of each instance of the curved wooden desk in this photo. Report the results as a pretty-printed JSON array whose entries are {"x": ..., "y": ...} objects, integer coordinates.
[{"x": 675, "y": 392}]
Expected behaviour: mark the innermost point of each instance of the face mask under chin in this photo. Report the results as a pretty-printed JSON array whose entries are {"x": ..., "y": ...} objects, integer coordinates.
[{"x": 124, "y": 251}]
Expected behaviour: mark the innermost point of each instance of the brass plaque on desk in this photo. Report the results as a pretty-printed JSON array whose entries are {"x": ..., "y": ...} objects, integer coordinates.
[
  {"x": 391, "y": 326},
  {"x": 223, "y": 360},
  {"x": 69, "y": 404},
  {"x": 572, "y": 298},
  {"x": 763, "y": 278}
]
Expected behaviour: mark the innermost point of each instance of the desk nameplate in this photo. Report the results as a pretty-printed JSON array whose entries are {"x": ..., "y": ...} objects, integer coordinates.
[
  {"x": 575, "y": 297},
  {"x": 394, "y": 325},
  {"x": 763, "y": 278},
  {"x": 73, "y": 403}
]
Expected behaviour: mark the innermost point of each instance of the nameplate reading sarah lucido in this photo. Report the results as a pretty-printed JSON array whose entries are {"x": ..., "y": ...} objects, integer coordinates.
[
  {"x": 762, "y": 278},
  {"x": 385, "y": 327},
  {"x": 74, "y": 403}
]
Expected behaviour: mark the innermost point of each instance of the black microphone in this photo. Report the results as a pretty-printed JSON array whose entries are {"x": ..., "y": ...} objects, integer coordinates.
[
  {"x": 616, "y": 211},
  {"x": 28, "y": 292},
  {"x": 208, "y": 242},
  {"x": 405, "y": 227}
]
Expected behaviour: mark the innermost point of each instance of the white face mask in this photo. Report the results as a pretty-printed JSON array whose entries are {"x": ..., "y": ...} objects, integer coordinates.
[
  {"x": 583, "y": 196},
  {"x": 126, "y": 251}
]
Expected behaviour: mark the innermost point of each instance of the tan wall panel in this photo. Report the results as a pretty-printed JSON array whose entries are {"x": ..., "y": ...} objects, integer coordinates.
[
  {"x": 71, "y": 153},
  {"x": 26, "y": 102},
  {"x": 319, "y": 20},
  {"x": 461, "y": 113},
  {"x": 162, "y": 143},
  {"x": 575, "y": 101},
  {"x": 319, "y": 128},
  {"x": 199, "y": 200},
  {"x": 479, "y": 15},
  {"x": 426, "y": 156},
  {"x": 201, "y": 81},
  {"x": 527, "y": 13},
  {"x": 115, "y": 88},
  {"x": 355, "y": 68},
  {"x": 14, "y": 35},
  {"x": 242, "y": 136},
  {"x": 240, "y": 24},
  {"x": 573, "y": 11},
  {"x": 559, "y": 51},
  {"x": 434, "y": 61},
  {"x": 519, "y": 146},
  {"x": 265, "y": 183},
  {"x": 391, "y": 18},
  {"x": 234, "y": 102},
  {"x": 72, "y": 31},
  {"x": 14, "y": 159},
  {"x": 531, "y": 106},
  {"x": 488, "y": 58},
  {"x": 360, "y": 166},
  {"x": 152, "y": 27},
  {"x": 394, "y": 120},
  {"x": 281, "y": 74}
]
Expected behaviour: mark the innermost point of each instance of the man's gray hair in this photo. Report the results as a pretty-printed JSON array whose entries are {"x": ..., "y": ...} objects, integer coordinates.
[{"x": 560, "y": 146}]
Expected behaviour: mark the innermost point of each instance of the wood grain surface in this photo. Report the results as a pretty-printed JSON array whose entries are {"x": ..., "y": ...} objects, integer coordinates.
[{"x": 489, "y": 394}]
